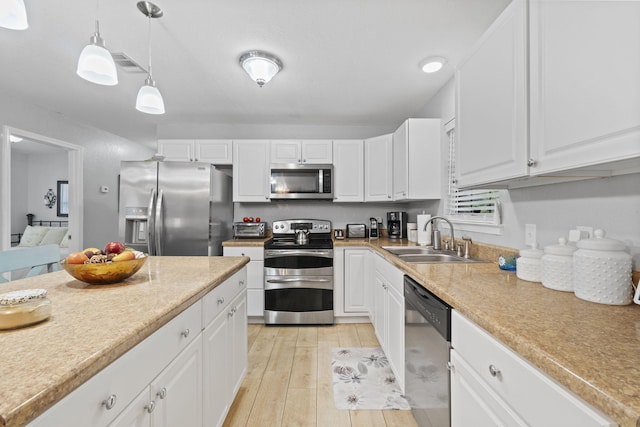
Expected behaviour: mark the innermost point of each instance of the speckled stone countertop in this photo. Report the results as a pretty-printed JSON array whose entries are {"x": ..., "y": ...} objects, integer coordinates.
[
  {"x": 92, "y": 325},
  {"x": 245, "y": 242},
  {"x": 591, "y": 349}
]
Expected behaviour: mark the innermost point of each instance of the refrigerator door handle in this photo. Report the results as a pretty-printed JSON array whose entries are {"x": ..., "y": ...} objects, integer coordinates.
[
  {"x": 150, "y": 223},
  {"x": 158, "y": 223}
]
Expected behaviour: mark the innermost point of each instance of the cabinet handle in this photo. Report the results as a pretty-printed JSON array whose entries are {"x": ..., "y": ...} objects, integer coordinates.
[
  {"x": 494, "y": 371},
  {"x": 221, "y": 300},
  {"x": 241, "y": 283},
  {"x": 531, "y": 162},
  {"x": 450, "y": 366},
  {"x": 150, "y": 407},
  {"x": 388, "y": 196},
  {"x": 185, "y": 333},
  {"x": 110, "y": 401},
  {"x": 162, "y": 393}
]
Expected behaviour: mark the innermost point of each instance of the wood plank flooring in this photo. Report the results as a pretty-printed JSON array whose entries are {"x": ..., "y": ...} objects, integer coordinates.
[{"x": 289, "y": 380}]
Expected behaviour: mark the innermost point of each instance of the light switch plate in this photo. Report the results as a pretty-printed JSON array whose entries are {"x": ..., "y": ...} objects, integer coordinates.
[
  {"x": 530, "y": 234},
  {"x": 104, "y": 189}
]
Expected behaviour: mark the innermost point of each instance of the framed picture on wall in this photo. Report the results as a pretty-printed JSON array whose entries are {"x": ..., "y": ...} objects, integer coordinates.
[{"x": 63, "y": 198}]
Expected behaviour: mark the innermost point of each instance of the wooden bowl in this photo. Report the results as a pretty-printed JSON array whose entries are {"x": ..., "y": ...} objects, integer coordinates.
[{"x": 106, "y": 273}]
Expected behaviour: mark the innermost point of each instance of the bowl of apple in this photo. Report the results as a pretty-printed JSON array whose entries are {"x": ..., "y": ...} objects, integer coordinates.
[{"x": 102, "y": 267}]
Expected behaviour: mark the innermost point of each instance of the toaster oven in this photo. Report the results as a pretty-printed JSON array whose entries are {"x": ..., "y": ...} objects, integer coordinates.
[{"x": 249, "y": 230}]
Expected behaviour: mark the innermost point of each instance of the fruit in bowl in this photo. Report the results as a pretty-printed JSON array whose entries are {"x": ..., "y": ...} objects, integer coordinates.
[{"x": 95, "y": 267}]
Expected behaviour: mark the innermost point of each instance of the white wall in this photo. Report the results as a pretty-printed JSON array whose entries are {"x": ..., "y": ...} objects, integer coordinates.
[
  {"x": 19, "y": 193},
  {"x": 103, "y": 153},
  {"x": 612, "y": 204}
]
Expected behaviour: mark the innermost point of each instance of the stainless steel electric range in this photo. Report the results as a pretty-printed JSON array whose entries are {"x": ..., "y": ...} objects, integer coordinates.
[{"x": 298, "y": 273}]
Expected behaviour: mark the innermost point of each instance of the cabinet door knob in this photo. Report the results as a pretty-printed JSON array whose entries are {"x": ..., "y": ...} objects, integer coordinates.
[
  {"x": 162, "y": 393},
  {"x": 185, "y": 333},
  {"x": 388, "y": 196},
  {"x": 494, "y": 371},
  {"x": 110, "y": 401},
  {"x": 150, "y": 407},
  {"x": 221, "y": 300},
  {"x": 531, "y": 162}
]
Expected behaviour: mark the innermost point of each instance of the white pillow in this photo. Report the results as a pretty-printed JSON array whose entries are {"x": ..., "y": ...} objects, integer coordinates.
[
  {"x": 33, "y": 236},
  {"x": 64, "y": 243},
  {"x": 54, "y": 236}
]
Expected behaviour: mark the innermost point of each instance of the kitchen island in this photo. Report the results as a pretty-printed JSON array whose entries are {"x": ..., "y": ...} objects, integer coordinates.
[
  {"x": 591, "y": 349},
  {"x": 93, "y": 325}
]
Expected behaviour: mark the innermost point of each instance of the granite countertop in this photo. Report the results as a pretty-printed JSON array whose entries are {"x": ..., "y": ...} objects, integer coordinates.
[
  {"x": 236, "y": 242},
  {"x": 92, "y": 325},
  {"x": 591, "y": 349}
]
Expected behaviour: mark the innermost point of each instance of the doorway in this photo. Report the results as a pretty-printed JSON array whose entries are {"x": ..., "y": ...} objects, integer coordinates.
[{"x": 75, "y": 155}]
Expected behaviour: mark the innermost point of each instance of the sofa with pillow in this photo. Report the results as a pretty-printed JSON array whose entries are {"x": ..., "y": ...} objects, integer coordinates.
[{"x": 41, "y": 235}]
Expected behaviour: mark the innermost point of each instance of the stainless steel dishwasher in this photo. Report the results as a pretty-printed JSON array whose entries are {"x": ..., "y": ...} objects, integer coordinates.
[{"x": 427, "y": 327}]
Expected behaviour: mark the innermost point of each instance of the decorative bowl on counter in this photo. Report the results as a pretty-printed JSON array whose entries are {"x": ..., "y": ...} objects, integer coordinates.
[{"x": 104, "y": 273}]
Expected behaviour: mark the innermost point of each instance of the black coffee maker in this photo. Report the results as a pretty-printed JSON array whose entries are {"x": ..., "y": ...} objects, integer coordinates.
[{"x": 397, "y": 225}]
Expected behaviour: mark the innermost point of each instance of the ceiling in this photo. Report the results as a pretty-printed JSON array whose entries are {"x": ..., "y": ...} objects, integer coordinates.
[{"x": 346, "y": 62}]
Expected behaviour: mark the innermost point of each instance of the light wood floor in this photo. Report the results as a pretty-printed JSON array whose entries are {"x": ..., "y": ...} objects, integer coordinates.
[{"x": 289, "y": 379}]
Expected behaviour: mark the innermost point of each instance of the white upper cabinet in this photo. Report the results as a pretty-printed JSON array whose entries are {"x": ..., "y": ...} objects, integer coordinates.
[
  {"x": 348, "y": 170},
  {"x": 551, "y": 93},
  {"x": 378, "y": 169},
  {"x": 214, "y": 151},
  {"x": 416, "y": 160},
  {"x": 585, "y": 83},
  {"x": 491, "y": 102},
  {"x": 250, "y": 170},
  {"x": 307, "y": 151}
]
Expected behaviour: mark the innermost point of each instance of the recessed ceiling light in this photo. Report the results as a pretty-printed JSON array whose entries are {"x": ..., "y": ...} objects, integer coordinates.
[{"x": 432, "y": 64}]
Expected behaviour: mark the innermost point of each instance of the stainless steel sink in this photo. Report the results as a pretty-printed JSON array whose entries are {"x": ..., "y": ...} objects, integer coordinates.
[{"x": 427, "y": 255}]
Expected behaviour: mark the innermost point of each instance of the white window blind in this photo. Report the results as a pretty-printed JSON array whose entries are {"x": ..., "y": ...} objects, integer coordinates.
[{"x": 469, "y": 206}]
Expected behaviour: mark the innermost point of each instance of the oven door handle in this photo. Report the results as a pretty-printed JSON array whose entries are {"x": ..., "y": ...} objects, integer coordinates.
[
  {"x": 273, "y": 253},
  {"x": 314, "y": 283}
]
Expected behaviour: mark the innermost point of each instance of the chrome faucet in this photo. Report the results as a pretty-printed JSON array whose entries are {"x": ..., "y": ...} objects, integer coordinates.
[{"x": 435, "y": 234}]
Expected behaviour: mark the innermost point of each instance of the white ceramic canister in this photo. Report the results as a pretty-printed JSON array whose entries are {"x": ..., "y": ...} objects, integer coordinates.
[
  {"x": 528, "y": 265},
  {"x": 602, "y": 271},
  {"x": 557, "y": 266}
]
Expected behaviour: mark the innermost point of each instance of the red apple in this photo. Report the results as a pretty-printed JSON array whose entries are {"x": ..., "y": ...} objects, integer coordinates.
[
  {"x": 77, "y": 258},
  {"x": 114, "y": 248},
  {"x": 257, "y": 219},
  {"x": 245, "y": 219}
]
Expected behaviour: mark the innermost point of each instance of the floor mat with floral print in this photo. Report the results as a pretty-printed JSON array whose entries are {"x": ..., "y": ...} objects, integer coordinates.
[{"x": 362, "y": 379}]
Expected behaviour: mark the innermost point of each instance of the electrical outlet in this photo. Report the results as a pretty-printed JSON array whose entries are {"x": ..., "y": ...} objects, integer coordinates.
[
  {"x": 530, "y": 234},
  {"x": 585, "y": 228}
]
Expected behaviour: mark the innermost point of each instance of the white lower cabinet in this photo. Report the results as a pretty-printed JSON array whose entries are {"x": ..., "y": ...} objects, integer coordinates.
[
  {"x": 388, "y": 313},
  {"x": 166, "y": 380},
  {"x": 225, "y": 358},
  {"x": 255, "y": 276},
  {"x": 493, "y": 386},
  {"x": 356, "y": 286},
  {"x": 173, "y": 398}
]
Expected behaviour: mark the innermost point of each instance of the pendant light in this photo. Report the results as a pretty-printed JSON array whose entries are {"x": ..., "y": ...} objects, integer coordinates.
[
  {"x": 260, "y": 66},
  {"x": 149, "y": 98},
  {"x": 96, "y": 63},
  {"x": 13, "y": 15}
]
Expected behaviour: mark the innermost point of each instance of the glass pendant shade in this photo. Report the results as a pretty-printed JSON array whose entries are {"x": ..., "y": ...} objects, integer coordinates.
[
  {"x": 260, "y": 66},
  {"x": 149, "y": 98},
  {"x": 96, "y": 63},
  {"x": 13, "y": 15}
]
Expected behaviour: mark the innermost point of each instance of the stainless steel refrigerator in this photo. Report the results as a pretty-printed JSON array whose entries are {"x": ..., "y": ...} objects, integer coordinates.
[{"x": 174, "y": 208}]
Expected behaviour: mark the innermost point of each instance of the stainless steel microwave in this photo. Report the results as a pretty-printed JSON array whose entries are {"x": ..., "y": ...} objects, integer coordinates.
[{"x": 301, "y": 181}]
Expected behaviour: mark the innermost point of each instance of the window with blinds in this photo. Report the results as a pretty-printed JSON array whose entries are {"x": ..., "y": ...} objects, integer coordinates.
[{"x": 469, "y": 206}]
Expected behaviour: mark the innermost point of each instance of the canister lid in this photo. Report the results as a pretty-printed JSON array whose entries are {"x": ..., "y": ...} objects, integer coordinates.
[
  {"x": 601, "y": 243},
  {"x": 532, "y": 252},
  {"x": 560, "y": 249},
  {"x": 22, "y": 296}
]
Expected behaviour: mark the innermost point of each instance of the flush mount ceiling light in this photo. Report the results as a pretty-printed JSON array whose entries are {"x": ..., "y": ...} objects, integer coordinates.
[
  {"x": 149, "y": 98},
  {"x": 13, "y": 15},
  {"x": 432, "y": 64},
  {"x": 260, "y": 66},
  {"x": 95, "y": 63}
]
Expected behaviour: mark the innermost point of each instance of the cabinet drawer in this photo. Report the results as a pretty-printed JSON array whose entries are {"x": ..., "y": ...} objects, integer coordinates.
[
  {"x": 392, "y": 275},
  {"x": 126, "y": 377},
  {"x": 219, "y": 298},
  {"x": 255, "y": 253},
  {"x": 530, "y": 392}
]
